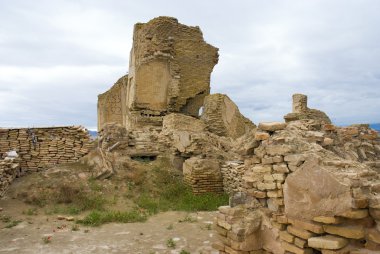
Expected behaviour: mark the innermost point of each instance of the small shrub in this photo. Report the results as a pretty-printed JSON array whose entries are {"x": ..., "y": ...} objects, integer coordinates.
[
  {"x": 188, "y": 218},
  {"x": 170, "y": 243},
  {"x": 30, "y": 211},
  {"x": 97, "y": 218},
  {"x": 184, "y": 252},
  {"x": 5, "y": 218},
  {"x": 75, "y": 227},
  {"x": 46, "y": 239},
  {"x": 13, "y": 223}
]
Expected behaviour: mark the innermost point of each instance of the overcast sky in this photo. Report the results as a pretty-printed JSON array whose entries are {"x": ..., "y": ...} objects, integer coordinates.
[{"x": 57, "y": 56}]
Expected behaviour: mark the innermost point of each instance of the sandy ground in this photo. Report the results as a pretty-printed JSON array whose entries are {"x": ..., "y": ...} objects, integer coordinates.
[{"x": 147, "y": 237}]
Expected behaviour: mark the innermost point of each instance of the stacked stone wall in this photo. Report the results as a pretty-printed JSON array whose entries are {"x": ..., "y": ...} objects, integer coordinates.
[
  {"x": 42, "y": 147},
  {"x": 9, "y": 170},
  {"x": 316, "y": 185}
]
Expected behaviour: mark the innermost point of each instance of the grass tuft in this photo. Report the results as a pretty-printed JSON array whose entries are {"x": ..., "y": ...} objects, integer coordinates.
[{"x": 97, "y": 218}]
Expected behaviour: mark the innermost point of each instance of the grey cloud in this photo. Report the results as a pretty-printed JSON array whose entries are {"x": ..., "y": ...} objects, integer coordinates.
[{"x": 268, "y": 51}]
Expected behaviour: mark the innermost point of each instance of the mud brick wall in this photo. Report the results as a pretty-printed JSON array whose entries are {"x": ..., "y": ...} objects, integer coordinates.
[{"x": 41, "y": 147}]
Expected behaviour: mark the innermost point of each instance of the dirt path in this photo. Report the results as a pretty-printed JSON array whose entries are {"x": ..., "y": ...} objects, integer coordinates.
[{"x": 193, "y": 236}]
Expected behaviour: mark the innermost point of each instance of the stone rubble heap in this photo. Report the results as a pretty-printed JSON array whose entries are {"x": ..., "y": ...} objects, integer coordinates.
[
  {"x": 9, "y": 170},
  {"x": 299, "y": 186},
  {"x": 317, "y": 186}
]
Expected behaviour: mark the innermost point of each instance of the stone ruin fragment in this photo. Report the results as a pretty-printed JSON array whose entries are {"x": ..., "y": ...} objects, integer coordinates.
[
  {"x": 169, "y": 71},
  {"x": 299, "y": 186}
]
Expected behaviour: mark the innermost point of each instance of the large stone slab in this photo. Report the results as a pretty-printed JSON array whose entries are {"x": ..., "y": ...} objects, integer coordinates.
[
  {"x": 328, "y": 242},
  {"x": 313, "y": 191}
]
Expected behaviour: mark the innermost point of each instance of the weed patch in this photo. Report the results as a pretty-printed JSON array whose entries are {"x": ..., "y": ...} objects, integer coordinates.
[{"x": 97, "y": 218}]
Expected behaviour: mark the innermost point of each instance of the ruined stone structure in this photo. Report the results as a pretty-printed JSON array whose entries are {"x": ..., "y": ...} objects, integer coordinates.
[
  {"x": 301, "y": 111},
  {"x": 299, "y": 186},
  {"x": 39, "y": 148},
  {"x": 223, "y": 117},
  {"x": 111, "y": 104},
  {"x": 9, "y": 170},
  {"x": 307, "y": 187},
  {"x": 169, "y": 71}
]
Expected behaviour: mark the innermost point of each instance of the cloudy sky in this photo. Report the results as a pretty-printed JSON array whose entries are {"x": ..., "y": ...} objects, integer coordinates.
[{"x": 56, "y": 56}]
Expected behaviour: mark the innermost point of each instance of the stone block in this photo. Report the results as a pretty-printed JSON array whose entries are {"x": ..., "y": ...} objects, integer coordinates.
[
  {"x": 328, "y": 219},
  {"x": 285, "y": 236},
  {"x": 308, "y": 225},
  {"x": 355, "y": 214},
  {"x": 328, "y": 242},
  {"x": 304, "y": 234},
  {"x": 301, "y": 243},
  {"x": 272, "y": 126},
  {"x": 262, "y": 135},
  {"x": 294, "y": 249},
  {"x": 352, "y": 232}
]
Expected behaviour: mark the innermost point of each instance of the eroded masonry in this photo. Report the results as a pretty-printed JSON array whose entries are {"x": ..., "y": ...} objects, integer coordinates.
[
  {"x": 299, "y": 186},
  {"x": 32, "y": 149}
]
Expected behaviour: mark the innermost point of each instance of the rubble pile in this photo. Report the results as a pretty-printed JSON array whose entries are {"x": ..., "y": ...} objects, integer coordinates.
[
  {"x": 9, "y": 170},
  {"x": 317, "y": 186}
]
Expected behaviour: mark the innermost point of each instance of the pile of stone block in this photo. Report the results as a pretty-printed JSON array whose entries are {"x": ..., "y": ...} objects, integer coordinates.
[
  {"x": 232, "y": 172},
  {"x": 42, "y": 147},
  {"x": 9, "y": 170},
  {"x": 203, "y": 175},
  {"x": 318, "y": 188}
]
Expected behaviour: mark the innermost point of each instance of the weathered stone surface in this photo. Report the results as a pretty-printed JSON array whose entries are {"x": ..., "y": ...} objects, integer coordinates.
[
  {"x": 308, "y": 225},
  {"x": 294, "y": 249},
  {"x": 285, "y": 236},
  {"x": 355, "y": 214},
  {"x": 301, "y": 233},
  {"x": 328, "y": 220},
  {"x": 180, "y": 122},
  {"x": 307, "y": 199},
  {"x": 352, "y": 232},
  {"x": 203, "y": 175},
  {"x": 112, "y": 105},
  {"x": 170, "y": 68},
  {"x": 374, "y": 235},
  {"x": 328, "y": 242},
  {"x": 272, "y": 126},
  {"x": 223, "y": 117}
]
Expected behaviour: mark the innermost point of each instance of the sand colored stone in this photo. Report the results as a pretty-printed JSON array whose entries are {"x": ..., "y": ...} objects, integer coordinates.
[
  {"x": 223, "y": 117},
  {"x": 328, "y": 242}
]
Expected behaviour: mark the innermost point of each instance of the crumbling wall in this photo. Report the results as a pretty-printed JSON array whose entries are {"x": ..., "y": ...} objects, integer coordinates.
[
  {"x": 9, "y": 170},
  {"x": 42, "y": 147},
  {"x": 314, "y": 185},
  {"x": 112, "y": 104},
  {"x": 223, "y": 117},
  {"x": 169, "y": 71},
  {"x": 203, "y": 175}
]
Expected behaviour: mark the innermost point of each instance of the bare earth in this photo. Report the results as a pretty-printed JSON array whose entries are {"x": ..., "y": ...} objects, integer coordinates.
[{"x": 147, "y": 237}]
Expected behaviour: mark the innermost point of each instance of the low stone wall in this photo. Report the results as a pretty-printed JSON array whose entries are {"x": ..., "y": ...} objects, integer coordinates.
[
  {"x": 42, "y": 147},
  {"x": 203, "y": 175},
  {"x": 9, "y": 170}
]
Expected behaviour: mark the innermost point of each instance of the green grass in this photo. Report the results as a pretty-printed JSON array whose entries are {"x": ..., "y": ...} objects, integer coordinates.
[
  {"x": 175, "y": 195},
  {"x": 170, "y": 243},
  {"x": 30, "y": 212},
  {"x": 13, "y": 223},
  {"x": 97, "y": 218}
]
